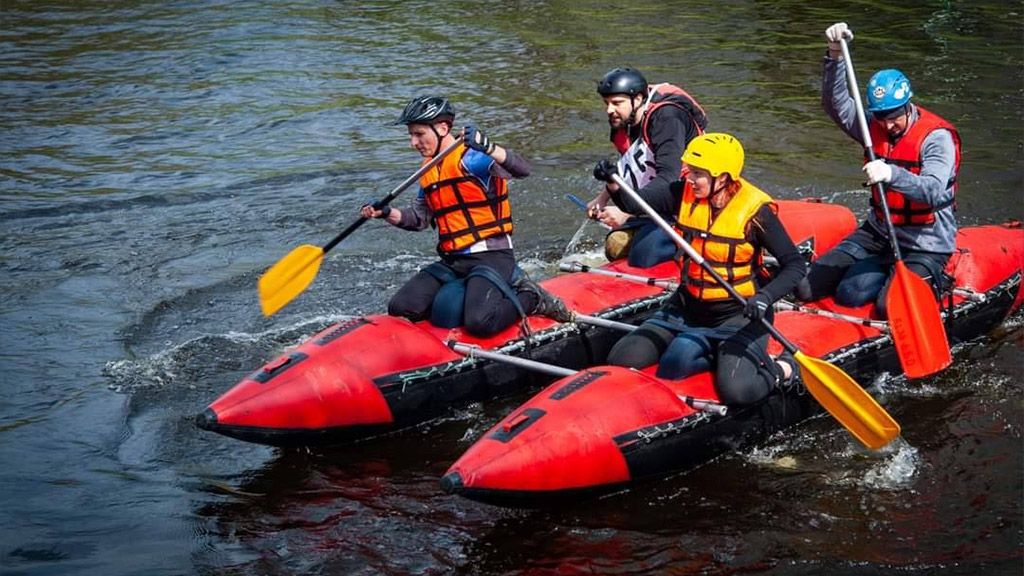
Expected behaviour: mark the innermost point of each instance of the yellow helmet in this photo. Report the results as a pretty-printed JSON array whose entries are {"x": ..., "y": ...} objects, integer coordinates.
[{"x": 716, "y": 153}]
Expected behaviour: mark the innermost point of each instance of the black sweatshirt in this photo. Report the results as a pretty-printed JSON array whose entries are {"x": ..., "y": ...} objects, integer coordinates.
[{"x": 670, "y": 129}]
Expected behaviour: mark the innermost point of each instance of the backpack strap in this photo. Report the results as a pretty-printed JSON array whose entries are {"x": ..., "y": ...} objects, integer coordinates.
[{"x": 488, "y": 273}]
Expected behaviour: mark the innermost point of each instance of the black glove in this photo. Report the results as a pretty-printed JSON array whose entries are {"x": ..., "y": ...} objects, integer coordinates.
[
  {"x": 384, "y": 212},
  {"x": 477, "y": 140},
  {"x": 604, "y": 170},
  {"x": 758, "y": 306}
]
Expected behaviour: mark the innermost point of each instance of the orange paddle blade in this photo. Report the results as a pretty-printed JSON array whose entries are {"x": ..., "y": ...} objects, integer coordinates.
[
  {"x": 847, "y": 402},
  {"x": 288, "y": 277},
  {"x": 916, "y": 323}
]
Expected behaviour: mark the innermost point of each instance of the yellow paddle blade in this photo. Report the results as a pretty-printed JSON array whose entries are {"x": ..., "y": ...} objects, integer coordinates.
[
  {"x": 845, "y": 400},
  {"x": 288, "y": 277}
]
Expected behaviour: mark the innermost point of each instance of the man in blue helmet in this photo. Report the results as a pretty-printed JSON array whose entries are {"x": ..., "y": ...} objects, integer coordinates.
[
  {"x": 650, "y": 128},
  {"x": 918, "y": 159}
]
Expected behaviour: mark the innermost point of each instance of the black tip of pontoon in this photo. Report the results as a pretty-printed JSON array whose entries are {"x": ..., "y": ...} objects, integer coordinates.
[
  {"x": 207, "y": 420},
  {"x": 451, "y": 483}
]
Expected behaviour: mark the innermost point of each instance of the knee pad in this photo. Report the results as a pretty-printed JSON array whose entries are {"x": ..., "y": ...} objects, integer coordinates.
[
  {"x": 685, "y": 355},
  {"x": 850, "y": 295},
  {"x": 743, "y": 376},
  {"x": 931, "y": 270},
  {"x": 446, "y": 311},
  {"x": 640, "y": 348},
  {"x": 862, "y": 283}
]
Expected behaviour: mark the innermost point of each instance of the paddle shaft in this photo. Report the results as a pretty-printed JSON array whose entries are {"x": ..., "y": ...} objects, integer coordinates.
[
  {"x": 577, "y": 201},
  {"x": 580, "y": 267},
  {"x": 476, "y": 351},
  {"x": 698, "y": 259},
  {"x": 583, "y": 206},
  {"x": 470, "y": 351},
  {"x": 394, "y": 193},
  {"x": 604, "y": 322},
  {"x": 869, "y": 149}
]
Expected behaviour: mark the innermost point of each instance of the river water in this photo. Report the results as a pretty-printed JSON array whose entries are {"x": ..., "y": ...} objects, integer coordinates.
[{"x": 158, "y": 156}]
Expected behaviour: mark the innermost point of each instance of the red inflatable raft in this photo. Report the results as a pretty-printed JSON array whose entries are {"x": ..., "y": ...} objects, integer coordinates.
[
  {"x": 601, "y": 429},
  {"x": 376, "y": 374}
]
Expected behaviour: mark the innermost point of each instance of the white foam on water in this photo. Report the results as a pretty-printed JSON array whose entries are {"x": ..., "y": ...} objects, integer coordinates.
[
  {"x": 897, "y": 471},
  {"x": 162, "y": 368}
]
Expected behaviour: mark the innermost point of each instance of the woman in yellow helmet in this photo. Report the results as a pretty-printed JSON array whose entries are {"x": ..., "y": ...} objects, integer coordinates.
[{"x": 730, "y": 222}]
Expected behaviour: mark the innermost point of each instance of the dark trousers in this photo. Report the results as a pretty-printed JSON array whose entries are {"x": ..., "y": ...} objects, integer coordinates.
[
  {"x": 859, "y": 270},
  {"x": 736, "y": 350},
  {"x": 650, "y": 245},
  {"x": 486, "y": 311}
]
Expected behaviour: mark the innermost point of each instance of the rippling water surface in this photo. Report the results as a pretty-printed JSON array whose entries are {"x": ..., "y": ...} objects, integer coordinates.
[{"x": 157, "y": 156}]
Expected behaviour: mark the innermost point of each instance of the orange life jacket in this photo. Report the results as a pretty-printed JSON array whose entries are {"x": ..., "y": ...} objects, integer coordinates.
[
  {"x": 662, "y": 95},
  {"x": 463, "y": 210},
  {"x": 722, "y": 242},
  {"x": 907, "y": 154}
]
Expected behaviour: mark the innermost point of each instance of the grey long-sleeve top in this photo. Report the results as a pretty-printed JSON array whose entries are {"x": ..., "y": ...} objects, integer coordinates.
[{"x": 931, "y": 186}]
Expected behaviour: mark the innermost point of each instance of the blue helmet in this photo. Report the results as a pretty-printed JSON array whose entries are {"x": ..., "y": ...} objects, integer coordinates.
[{"x": 888, "y": 89}]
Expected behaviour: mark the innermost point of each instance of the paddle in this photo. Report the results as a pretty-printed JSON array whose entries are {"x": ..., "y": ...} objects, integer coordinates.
[
  {"x": 917, "y": 329},
  {"x": 843, "y": 398},
  {"x": 287, "y": 278}
]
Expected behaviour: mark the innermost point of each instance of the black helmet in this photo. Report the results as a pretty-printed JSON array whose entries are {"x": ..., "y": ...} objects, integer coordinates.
[
  {"x": 622, "y": 81},
  {"x": 427, "y": 110}
]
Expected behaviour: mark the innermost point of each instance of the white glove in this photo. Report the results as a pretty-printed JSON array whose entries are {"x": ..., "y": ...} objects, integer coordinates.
[
  {"x": 835, "y": 32},
  {"x": 878, "y": 171}
]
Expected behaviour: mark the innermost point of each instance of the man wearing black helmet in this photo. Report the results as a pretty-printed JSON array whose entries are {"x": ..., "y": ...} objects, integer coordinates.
[
  {"x": 476, "y": 284},
  {"x": 650, "y": 128},
  {"x": 918, "y": 159}
]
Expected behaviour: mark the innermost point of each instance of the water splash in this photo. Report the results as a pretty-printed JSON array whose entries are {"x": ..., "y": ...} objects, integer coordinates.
[
  {"x": 184, "y": 363},
  {"x": 897, "y": 471},
  {"x": 571, "y": 246},
  {"x": 773, "y": 455}
]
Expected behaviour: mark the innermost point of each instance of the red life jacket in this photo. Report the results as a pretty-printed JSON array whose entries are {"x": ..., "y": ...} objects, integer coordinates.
[
  {"x": 463, "y": 210},
  {"x": 906, "y": 153},
  {"x": 662, "y": 95}
]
